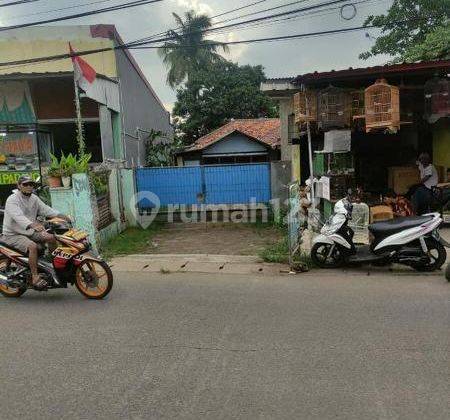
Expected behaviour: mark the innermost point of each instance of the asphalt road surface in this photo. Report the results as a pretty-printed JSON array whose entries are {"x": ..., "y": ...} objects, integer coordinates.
[{"x": 188, "y": 346}]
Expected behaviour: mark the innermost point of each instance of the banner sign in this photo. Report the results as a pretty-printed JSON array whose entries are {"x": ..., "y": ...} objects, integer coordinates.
[{"x": 11, "y": 177}]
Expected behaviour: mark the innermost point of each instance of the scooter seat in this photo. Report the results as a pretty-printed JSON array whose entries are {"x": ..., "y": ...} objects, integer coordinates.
[{"x": 397, "y": 225}]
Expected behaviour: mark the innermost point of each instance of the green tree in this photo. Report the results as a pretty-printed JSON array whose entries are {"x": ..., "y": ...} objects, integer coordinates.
[
  {"x": 412, "y": 30},
  {"x": 160, "y": 150},
  {"x": 189, "y": 50},
  {"x": 217, "y": 93}
]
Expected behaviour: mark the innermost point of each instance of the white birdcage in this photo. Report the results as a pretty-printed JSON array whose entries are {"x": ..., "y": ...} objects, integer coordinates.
[{"x": 360, "y": 222}]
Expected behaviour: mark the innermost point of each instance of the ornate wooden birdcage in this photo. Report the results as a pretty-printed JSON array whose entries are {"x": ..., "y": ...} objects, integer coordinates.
[
  {"x": 358, "y": 109},
  {"x": 382, "y": 104},
  {"x": 302, "y": 115},
  {"x": 437, "y": 102},
  {"x": 334, "y": 108}
]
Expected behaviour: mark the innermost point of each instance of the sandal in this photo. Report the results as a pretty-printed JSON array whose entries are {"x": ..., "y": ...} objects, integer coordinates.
[{"x": 40, "y": 285}]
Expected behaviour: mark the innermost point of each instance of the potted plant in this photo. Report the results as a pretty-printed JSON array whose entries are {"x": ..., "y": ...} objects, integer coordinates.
[
  {"x": 54, "y": 173},
  {"x": 68, "y": 168},
  {"x": 82, "y": 163}
]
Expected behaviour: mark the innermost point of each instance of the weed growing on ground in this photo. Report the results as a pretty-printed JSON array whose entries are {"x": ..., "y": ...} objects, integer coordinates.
[{"x": 131, "y": 241}]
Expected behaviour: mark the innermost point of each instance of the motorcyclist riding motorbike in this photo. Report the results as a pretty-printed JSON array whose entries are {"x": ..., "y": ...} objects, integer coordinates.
[{"x": 21, "y": 229}]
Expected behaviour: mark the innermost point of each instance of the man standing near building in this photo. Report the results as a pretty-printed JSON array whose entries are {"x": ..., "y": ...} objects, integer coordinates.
[{"x": 423, "y": 196}]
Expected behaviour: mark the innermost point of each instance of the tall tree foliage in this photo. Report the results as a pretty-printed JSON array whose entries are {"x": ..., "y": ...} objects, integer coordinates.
[
  {"x": 189, "y": 51},
  {"x": 413, "y": 30},
  {"x": 217, "y": 93}
]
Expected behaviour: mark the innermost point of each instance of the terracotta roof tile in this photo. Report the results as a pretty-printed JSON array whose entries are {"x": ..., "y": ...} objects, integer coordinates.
[{"x": 265, "y": 130}]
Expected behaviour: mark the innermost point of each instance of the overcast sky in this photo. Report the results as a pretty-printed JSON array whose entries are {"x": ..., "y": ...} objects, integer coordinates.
[{"x": 286, "y": 58}]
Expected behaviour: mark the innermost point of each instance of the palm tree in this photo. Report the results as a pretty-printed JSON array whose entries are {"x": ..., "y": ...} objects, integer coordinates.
[{"x": 189, "y": 50}]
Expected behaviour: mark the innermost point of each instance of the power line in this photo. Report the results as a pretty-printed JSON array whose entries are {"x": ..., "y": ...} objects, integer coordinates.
[
  {"x": 262, "y": 11},
  {"x": 311, "y": 14},
  {"x": 263, "y": 18},
  {"x": 44, "y": 12},
  {"x": 79, "y": 15},
  {"x": 212, "y": 17},
  {"x": 239, "y": 8},
  {"x": 275, "y": 38},
  {"x": 230, "y": 25},
  {"x": 259, "y": 19},
  {"x": 13, "y": 3},
  {"x": 143, "y": 46}
]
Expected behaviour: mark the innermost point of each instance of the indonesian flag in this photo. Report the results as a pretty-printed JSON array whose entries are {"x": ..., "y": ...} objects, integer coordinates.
[{"x": 84, "y": 74}]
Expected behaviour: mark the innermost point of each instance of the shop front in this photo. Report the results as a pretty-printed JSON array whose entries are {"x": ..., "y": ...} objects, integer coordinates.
[
  {"x": 23, "y": 149},
  {"x": 37, "y": 119},
  {"x": 368, "y": 127}
]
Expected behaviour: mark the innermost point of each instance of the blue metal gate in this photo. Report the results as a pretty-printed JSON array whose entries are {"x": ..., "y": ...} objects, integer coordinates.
[{"x": 209, "y": 184}]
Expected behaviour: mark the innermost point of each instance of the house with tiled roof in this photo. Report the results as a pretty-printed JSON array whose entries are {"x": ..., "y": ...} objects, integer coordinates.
[{"x": 238, "y": 141}]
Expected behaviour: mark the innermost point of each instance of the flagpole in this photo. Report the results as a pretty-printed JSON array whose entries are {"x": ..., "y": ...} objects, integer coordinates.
[{"x": 80, "y": 137}]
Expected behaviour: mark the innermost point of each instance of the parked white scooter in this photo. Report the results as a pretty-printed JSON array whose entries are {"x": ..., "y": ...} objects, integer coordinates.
[{"x": 412, "y": 241}]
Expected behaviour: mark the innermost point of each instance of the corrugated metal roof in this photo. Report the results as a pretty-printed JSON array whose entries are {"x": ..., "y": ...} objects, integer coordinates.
[{"x": 367, "y": 71}]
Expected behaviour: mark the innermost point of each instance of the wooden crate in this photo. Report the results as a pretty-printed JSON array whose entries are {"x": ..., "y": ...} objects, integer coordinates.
[
  {"x": 401, "y": 178},
  {"x": 380, "y": 213},
  {"x": 382, "y": 107}
]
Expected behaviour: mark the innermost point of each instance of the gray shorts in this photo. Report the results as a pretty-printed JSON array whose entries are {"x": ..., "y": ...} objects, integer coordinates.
[{"x": 22, "y": 242}]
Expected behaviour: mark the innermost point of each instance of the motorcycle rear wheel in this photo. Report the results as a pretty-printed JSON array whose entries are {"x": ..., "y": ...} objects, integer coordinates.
[
  {"x": 94, "y": 279},
  {"x": 319, "y": 256},
  {"x": 10, "y": 292},
  {"x": 437, "y": 254}
]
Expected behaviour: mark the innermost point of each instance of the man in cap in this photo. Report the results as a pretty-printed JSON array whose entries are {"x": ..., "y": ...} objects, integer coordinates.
[
  {"x": 21, "y": 229},
  {"x": 429, "y": 178}
]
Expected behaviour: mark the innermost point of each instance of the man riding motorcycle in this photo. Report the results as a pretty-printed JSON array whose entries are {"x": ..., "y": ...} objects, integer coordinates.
[{"x": 21, "y": 229}]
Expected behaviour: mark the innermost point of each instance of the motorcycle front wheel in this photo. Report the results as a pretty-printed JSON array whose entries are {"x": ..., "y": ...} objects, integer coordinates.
[
  {"x": 94, "y": 279},
  {"x": 320, "y": 256},
  {"x": 9, "y": 292}
]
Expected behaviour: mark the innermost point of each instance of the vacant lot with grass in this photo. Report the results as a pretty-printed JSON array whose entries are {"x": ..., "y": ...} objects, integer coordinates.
[{"x": 198, "y": 238}]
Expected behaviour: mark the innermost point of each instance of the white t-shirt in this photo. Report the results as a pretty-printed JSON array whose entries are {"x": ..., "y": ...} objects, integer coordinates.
[{"x": 429, "y": 170}]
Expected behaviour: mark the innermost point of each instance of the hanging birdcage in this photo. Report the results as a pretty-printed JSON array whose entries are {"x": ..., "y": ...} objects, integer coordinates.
[
  {"x": 334, "y": 108},
  {"x": 301, "y": 114},
  {"x": 437, "y": 103},
  {"x": 357, "y": 104},
  {"x": 382, "y": 104}
]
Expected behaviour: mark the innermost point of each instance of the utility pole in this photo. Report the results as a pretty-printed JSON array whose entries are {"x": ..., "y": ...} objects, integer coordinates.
[
  {"x": 80, "y": 134},
  {"x": 311, "y": 166}
]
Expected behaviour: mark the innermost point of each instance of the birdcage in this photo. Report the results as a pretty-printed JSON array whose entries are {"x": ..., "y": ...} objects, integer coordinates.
[
  {"x": 382, "y": 104},
  {"x": 334, "y": 108},
  {"x": 301, "y": 114},
  {"x": 437, "y": 103},
  {"x": 357, "y": 104}
]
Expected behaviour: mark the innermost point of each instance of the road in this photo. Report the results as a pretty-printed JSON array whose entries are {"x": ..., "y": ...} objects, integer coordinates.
[{"x": 191, "y": 346}]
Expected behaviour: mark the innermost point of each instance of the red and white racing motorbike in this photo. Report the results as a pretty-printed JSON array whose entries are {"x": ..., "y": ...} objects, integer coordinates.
[{"x": 70, "y": 263}]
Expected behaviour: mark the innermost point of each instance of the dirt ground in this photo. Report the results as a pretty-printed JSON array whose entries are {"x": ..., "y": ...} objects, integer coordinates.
[{"x": 213, "y": 238}]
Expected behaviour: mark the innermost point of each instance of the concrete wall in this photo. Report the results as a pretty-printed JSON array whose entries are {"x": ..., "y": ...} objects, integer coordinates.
[
  {"x": 140, "y": 108},
  {"x": 128, "y": 194},
  {"x": 280, "y": 177},
  {"x": 33, "y": 42},
  {"x": 286, "y": 109},
  {"x": 79, "y": 202}
]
